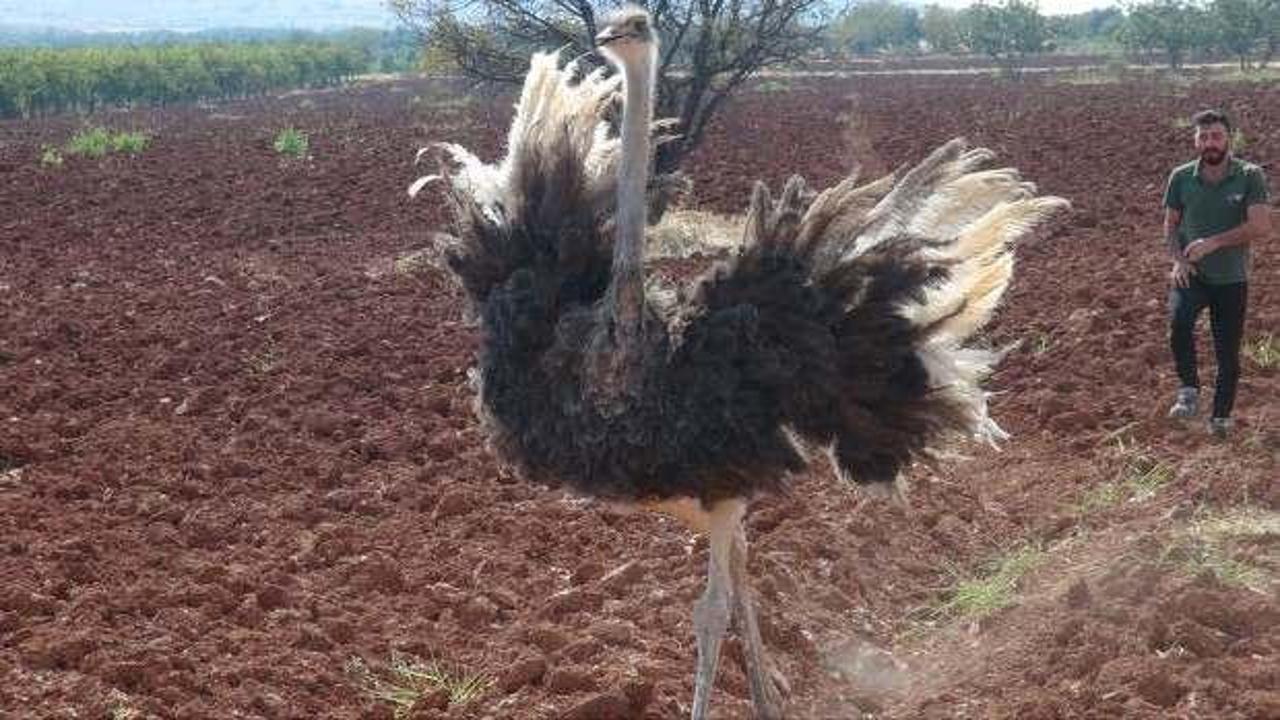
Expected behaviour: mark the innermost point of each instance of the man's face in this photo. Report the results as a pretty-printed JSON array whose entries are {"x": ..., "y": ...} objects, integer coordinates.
[{"x": 1212, "y": 142}]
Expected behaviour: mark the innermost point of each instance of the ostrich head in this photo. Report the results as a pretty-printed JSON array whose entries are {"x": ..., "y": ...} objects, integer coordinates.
[{"x": 627, "y": 39}]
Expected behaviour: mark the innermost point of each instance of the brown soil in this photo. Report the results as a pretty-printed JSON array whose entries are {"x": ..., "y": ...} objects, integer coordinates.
[{"x": 237, "y": 450}]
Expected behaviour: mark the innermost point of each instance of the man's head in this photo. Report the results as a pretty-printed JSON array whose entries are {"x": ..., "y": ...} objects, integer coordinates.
[{"x": 1213, "y": 135}]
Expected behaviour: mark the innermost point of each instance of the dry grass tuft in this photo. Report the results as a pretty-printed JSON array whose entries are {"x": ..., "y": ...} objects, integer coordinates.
[{"x": 685, "y": 233}]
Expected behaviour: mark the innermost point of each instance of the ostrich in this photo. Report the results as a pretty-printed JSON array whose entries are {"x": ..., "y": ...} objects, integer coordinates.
[{"x": 840, "y": 324}]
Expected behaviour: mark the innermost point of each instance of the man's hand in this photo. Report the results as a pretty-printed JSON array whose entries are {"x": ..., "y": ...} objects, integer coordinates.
[
  {"x": 1196, "y": 251},
  {"x": 1181, "y": 273}
]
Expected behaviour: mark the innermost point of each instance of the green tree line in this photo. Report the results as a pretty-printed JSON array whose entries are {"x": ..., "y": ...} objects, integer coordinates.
[
  {"x": 43, "y": 81},
  {"x": 1174, "y": 30},
  {"x": 1168, "y": 30}
]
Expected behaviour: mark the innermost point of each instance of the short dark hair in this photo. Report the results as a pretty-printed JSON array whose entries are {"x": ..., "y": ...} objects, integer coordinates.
[{"x": 1205, "y": 118}]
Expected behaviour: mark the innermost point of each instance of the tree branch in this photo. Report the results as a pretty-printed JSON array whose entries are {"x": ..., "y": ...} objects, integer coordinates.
[{"x": 709, "y": 47}]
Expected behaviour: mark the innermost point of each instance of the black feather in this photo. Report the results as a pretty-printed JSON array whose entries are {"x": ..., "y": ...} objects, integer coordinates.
[{"x": 777, "y": 338}]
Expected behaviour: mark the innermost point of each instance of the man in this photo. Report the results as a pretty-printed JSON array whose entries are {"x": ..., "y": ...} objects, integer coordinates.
[{"x": 1214, "y": 207}]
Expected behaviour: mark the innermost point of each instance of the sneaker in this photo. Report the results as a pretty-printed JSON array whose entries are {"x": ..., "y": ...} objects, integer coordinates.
[
  {"x": 1186, "y": 405},
  {"x": 1220, "y": 427}
]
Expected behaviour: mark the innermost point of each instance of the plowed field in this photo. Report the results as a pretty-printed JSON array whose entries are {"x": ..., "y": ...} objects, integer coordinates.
[{"x": 240, "y": 476}]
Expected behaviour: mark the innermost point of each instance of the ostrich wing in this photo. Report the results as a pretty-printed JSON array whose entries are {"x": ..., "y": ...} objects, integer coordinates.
[
  {"x": 546, "y": 206},
  {"x": 862, "y": 301}
]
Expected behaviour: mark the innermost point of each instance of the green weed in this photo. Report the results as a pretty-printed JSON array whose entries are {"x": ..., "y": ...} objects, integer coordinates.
[
  {"x": 1264, "y": 351},
  {"x": 1041, "y": 343},
  {"x": 50, "y": 156},
  {"x": 1232, "y": 546},
  {"x": 995, "y": 587},
  {"x": 97, "y": 142},
  {"x": 94, "y": 143},
  {"x": 1238, "y": 141},
  {"x": 1140, "y": 478},
  {"x": 291, "y": 142},
  {"x": 119, "y": 708},
  {"x": 130, "y": 142}
]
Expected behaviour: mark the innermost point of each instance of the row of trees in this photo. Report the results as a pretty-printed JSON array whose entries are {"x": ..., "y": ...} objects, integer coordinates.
[
  {"x": 1243, "y": 29},
  {"x": 39, "y": 82},
  {"x": 164, "y": 67},
  {"x": 1247, "y": 30}
]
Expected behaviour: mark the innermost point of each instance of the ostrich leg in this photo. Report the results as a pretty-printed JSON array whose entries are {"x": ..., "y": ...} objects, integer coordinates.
[
  {"x": 711, "y": 614},
  {"x": 765, "y": 683}
]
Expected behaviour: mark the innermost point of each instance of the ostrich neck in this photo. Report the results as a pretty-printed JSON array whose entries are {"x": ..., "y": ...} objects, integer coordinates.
[{"x": 627, "y": 290}]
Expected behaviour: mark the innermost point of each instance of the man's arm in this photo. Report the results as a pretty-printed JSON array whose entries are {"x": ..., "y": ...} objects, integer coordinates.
[
  {"x": 1182, "y": 270},
  {"x": 1172, "y": 219},
  {"x": 1257, "y": 226}
]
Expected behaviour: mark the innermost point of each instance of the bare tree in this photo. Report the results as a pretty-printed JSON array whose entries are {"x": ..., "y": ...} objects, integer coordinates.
[{"x": 710, "y": 47}]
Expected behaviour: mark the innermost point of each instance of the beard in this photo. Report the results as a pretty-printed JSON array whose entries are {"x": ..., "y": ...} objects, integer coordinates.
[{"x": 1213, "y": 157}]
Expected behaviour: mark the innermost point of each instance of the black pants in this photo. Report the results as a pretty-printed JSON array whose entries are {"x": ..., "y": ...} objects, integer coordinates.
[{"x": 1226, "y": 305}]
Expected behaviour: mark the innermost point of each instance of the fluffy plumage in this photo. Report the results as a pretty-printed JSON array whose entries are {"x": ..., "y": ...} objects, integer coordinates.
[{"x": 841, "y": 320}]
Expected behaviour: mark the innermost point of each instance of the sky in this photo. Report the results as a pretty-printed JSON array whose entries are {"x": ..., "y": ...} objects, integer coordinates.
[
  {"x": 114, "y": 15},
  {"x": 110, "y": 15}
]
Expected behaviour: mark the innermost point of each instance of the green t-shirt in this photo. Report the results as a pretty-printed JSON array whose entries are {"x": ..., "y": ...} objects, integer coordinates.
[{"x": 1211, "y": 209}]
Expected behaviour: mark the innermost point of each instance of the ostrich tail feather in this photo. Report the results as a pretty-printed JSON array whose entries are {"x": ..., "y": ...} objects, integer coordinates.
[{"x": 879, "y": 290}]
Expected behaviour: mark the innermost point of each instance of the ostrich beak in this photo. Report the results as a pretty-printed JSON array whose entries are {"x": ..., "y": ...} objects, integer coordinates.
[{"x": 608, "y": 35}]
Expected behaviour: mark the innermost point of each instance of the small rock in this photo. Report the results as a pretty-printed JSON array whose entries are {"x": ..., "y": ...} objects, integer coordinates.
[
  {"x": 446, "y": 594},
  {"x": 611, "y": 705},
  {"x": 1154, "y": 355},
  {"x": 56, "y": 653},
  {"x": 343, "y": 500},
  {"x": 269, "y": 704},
  {"x": 1266, "y": 703},
  {"x": 1052, "y": 406},
  {"x": 950, "y": 526},
  {"x": 525, "y": 672},
  {"x": 477, "y": 612},
  {"x": 612, "y": 632},
  {"x": 340, "y": 630},
  {"x": 1158, "y": 688},
  {"x": 1197, "y": 639},
  {"x": 198, "y": 402},
  {"x": 639, "y": 692},
  {"x": 1073, "y": 421},
  {"x": 127, "y": 675},
  {"x": 442, "y": 446},
  {"x": 546, "y": 639},
  {"x": 249, "y": 614},
  {"x": 622, "y": 577},
  {"x": 583, "y": 650},
  {"x": 273, "y": 597},
  {"x": 1078, "y": 595},
  {"x": 321, "y": 423},
  {"x": 567, "y": 681},
  {"x": 313, "y": 638},
  {"x": 457, "y": 502},
  {"x": 378, "y": 574},
  {"x": 27, "y": 604},
  {"x": 505, "y": 599},
  {"x": 588, "y": 571},
  {"x": 571, "y": 601}
]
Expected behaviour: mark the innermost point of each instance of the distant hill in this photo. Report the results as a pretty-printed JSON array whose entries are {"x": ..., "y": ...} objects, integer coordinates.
[{"x": 192, "y": 15}]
